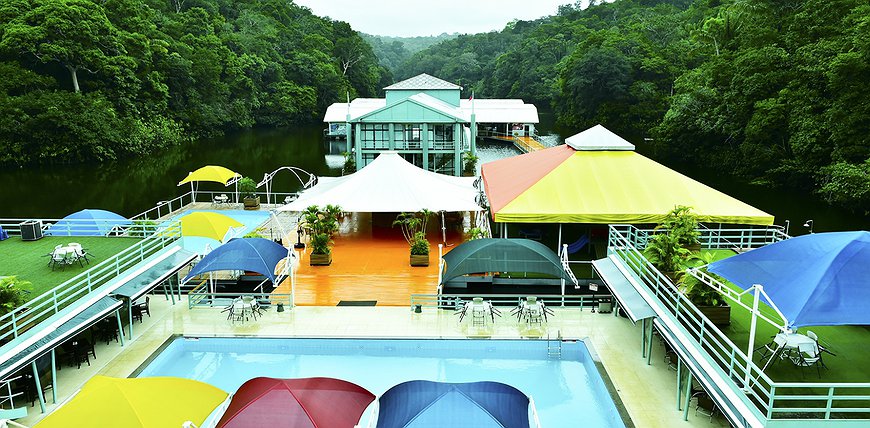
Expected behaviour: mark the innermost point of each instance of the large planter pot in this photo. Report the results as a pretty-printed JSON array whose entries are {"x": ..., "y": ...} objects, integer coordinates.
[
  {"x": 320, "y": 259},
  {"x": 419, "y": 260},
  {"x": 718, "y": 315},
  {"x": 252, "y": 203}
]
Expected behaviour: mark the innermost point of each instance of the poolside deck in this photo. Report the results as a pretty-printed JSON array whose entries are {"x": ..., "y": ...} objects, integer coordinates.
[
  {"x": 647, "y": 391},
  {"x": 369, "y": 262}
]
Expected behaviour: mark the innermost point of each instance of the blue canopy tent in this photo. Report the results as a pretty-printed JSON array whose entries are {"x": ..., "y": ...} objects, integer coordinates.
[
  {"x": 87, "y": 222},
  {"x": 424, "y": 404},
  {"x": 250, "y": 254},
  {"x": 815, "y": 279}
]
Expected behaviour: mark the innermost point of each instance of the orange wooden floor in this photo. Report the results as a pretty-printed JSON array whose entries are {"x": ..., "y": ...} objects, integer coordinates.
[{"x": 369, "y": 262}]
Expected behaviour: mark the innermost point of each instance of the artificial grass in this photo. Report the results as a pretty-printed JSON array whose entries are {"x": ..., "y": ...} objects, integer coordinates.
[{"x": 28, "y": 260}]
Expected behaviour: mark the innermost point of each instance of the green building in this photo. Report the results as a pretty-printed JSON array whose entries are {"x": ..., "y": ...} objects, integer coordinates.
[{"x": 425, "y": 120}]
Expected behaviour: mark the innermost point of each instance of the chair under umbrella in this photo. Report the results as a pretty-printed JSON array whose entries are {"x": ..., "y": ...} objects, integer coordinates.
[
  {"x": 316, "y": 402},
  {"x": 151, "y": 402}
]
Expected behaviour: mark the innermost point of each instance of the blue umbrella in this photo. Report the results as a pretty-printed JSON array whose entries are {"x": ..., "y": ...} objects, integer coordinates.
[
  {"x": 424, "y": 404},
  {"x": 87, "y": 222},
  {"x": 815, "y": 279},
  {"x": 251, "y": 254}
]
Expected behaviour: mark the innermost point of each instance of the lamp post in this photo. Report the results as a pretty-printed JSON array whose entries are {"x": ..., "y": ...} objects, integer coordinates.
[
  {"x": 809, "y": 224},
  {"x": 299, "y": 244}
]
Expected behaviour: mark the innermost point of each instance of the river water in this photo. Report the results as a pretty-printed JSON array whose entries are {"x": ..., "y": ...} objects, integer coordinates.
[{"x": 131, "y": 186}]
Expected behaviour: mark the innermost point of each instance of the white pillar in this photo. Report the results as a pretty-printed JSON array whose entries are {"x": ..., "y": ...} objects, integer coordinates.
[{"x": 754, "y": 321}]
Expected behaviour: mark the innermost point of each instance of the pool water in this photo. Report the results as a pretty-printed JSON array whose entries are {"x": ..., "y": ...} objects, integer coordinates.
[{"x": 567, "y": 392}]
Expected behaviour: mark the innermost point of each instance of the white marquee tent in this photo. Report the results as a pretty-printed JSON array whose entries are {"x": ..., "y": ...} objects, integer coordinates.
[{"x": 391, "y": 184}]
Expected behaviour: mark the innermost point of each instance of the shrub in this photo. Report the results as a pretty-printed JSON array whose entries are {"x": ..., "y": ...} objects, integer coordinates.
[
  {"x": 13, "y": 293},
  {"x": 247, "y": 187},
  {"x": 414, "y": 230}
]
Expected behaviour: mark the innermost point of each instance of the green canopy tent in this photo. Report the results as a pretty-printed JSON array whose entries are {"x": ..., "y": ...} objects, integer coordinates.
[{"x": 503, "y": 255}]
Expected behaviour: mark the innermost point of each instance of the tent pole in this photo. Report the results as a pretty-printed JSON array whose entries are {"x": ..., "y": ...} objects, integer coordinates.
[
  {"x": 756, "y": 291},
  {"x": 192, "y": 193},
  {"x": 443, "y": 229},
  {"x": 559, "y": 248},
  {"x": 120, "y": 327}
]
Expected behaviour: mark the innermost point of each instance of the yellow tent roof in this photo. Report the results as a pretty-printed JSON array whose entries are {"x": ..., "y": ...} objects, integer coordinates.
[
  {"x": 207, "y": 224},
  {"x": 217, "y": 174},
  {"x": 605, "y": 187},
  {"x": 157, "y": 402}
]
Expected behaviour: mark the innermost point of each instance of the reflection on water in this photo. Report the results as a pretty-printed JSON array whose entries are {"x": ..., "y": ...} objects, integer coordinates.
[{"x": 132, "y": 186}]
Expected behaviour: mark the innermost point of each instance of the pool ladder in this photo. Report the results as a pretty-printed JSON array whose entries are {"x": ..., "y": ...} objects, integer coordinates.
[{"x": 554, "y": 346}]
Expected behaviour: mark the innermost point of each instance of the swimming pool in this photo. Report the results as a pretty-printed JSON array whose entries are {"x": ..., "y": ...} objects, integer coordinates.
[{"x": 566, "y": 391}]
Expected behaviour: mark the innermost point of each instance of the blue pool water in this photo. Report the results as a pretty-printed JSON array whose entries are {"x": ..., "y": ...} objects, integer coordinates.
[
  {"x": 250, "y": 219},
  {"x": 567, "y": 392}
]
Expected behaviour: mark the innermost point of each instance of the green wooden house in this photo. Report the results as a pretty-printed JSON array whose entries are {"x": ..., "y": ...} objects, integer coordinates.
[{"x": 421, "y": 118}]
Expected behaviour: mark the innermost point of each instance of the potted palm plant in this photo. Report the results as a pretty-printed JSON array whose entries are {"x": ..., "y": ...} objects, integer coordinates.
[
  {"x": 13, "y": 293},
  {"x": 709, "y": 301},
  {"x": 413, "y": 227},
  {"x": 682, "y": 223},
  {"x": 320, "y": 224},
  {"x": 248, "y": 189}
]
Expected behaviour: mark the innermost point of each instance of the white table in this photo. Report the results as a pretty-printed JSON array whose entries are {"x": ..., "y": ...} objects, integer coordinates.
[{"x": 786, "y": 343}]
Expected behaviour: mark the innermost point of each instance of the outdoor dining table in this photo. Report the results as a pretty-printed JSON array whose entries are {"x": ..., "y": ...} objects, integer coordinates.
[{"x": 786, "y": 343}]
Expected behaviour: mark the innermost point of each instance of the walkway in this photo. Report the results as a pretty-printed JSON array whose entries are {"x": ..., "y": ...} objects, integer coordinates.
[{"x": 525, "y": 144}]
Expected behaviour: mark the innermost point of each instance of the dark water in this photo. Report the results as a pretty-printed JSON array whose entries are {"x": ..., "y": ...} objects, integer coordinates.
[{"x": 130, "y": 187}]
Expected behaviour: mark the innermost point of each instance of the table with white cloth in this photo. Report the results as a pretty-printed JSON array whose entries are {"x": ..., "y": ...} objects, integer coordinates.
[{"x": 787, "y": 344}]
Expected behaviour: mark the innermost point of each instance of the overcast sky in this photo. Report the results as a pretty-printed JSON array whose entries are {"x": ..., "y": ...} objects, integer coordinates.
[{"x": 431, "y": 17}]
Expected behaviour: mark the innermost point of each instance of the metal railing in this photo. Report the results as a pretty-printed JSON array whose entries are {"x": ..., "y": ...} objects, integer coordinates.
[
  {"x": 81, "y": 227},
  {"x": 775, "y": 400},
  {"x": 52, "y": 301},
  {"x": 723, "y": 238},
  {"x": 454, "y": 301},
  {"x": 201, "y": 296},
  {"x": 165, "y": 208}
]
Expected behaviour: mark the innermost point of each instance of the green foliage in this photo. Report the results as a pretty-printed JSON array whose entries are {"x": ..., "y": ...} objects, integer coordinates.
[
  {"x": 413, "y": 227},
  {"x": 256, "y": 233},
  {"x": 682, "y": 224},
  {"x": 699, "y": 293},
  {"x": 247, "y": 187},
  {"x": 420, "y": 245},
  {"x": 13, "y": 293},
  {"x": 82, "y": 80},
  {"x": 469, "y": 163},
  {"x": 475, "y": 233},
  {"x": 321, "y": 225},
  {"x": 846, "y": 184},
  {"x": 666, "y": 253},
  {"x": 349, "y": 163},
  {"x": 767, "y": 91}
]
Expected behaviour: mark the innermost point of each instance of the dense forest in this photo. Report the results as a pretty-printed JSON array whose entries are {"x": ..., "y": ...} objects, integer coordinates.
[
  {"x": 393, "y": 52},
  {"x": 773, "y": 91},
  {"x": 85, "y": 80}
]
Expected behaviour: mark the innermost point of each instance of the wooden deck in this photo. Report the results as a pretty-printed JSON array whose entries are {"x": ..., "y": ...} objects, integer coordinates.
[
  {"x": 525, "y": 144},
  {"x": 370, "y": 261}
]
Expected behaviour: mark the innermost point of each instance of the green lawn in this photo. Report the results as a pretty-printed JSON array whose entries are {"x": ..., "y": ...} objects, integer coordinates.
[
  {"x": 28, "y": 260},
  {"x": 848, "y": 342}
]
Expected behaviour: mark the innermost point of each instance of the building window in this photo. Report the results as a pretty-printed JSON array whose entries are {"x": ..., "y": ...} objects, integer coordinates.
[
  {"x": 442, "y": 163},
  {"x": 375, "y": 136}
]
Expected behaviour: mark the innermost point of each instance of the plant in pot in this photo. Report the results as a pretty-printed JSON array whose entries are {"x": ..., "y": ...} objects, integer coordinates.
[
  {"x": 682, "y": 224},
  {"x": 320, "y": 225},
  {"x": 709, "y": 301},
  {"x": 248, "y": 189},
  {"x": 664, "y": 251},
  {"x": 469, "y": 164},
  {"x": 413, "y": 227}
]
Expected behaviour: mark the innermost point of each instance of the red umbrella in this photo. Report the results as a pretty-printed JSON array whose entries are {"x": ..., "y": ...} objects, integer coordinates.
[{"x": 316, "y": 402}]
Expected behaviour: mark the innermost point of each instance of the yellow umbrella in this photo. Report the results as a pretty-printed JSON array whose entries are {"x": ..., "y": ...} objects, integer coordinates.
[
  {"x": 157, "y": 402},
  {"x": 207, "y": 224},
  {"x": 214, "y": 173}
]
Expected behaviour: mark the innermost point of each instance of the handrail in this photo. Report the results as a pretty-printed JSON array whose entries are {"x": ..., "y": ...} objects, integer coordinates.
[
  {"x": 452, "y": 301},
  {"x": 165, "y": 208},
  {"x": 52, "y": 301},
  {"x": 72, "y": 227},
  {"x": 201, "y": 296},
  {"x": 836, "y": 399}
]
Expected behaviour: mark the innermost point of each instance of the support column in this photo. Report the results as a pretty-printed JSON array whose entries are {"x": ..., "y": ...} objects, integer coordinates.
[
  {"x": 457, "y": 150},
  {"x": 687, "y": 396},
  {"x": 473, "y": 134},
  {"x": 38, "y": 386},
  {"x": 424, "y": 144},
  {"x": 392, "y": 131},
  {"x": 357, "y": 138},
  {"x": 679, "y": 384},
  {"x": 120, "y": 327},
  {"x": 53, "y": 377},
  {"x": 130, "y": 316}
]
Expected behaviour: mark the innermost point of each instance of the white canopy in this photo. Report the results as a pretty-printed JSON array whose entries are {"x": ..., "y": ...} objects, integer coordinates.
[
  {"x": 391, "y": 184},
  {"x": 598, "y": 138}
]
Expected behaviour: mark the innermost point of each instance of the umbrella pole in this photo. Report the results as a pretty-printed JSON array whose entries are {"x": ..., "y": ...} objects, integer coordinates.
[
  {"x": 443, "y": 229},
  {"x": 756, "y": 291}
]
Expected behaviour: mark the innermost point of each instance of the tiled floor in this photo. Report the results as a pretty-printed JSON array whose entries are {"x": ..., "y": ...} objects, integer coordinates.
[{"x": 647, "y": 391}]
